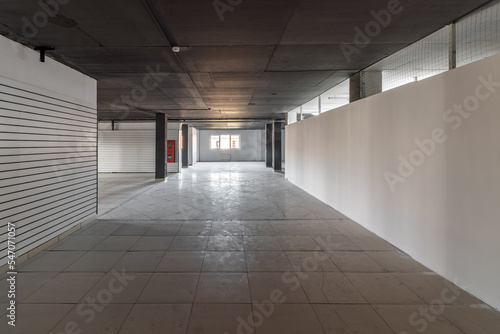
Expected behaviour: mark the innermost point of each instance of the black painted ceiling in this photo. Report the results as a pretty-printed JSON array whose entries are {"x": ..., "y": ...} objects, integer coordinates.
[{"x": 238, "y": 59}]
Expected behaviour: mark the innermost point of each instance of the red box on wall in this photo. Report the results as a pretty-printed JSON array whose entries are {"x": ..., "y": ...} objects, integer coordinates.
[{"x": 170, "y": 150}]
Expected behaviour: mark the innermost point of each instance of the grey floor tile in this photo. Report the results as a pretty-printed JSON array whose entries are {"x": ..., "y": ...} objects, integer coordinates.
[
  {"x": 350, "y": 319},
  {"x": 170, "y": 288},
  {"x": 267, "y": 261},
  {"x": 118, "y": 287},
  {"x": 261, "y": 243},
  {"x": 259, "y": 228},
  {"x": 371, "y": 242},
  {"x": 287, "y": 318},
  {"x": 383, "y": 288},
  {"x": 96, "y": 261},
  {"x": 474, "y": 319},
  {"x": 132, "y": 228},
  {"x": 311, "y": 261},
  {"x": 65, "y": 288},
  {"x": 152, "y": 243},
  {"x": 220, "y": 288},
  {"x": 156, "y": 318},
  {"x": 165, "y": 228},
  {"x": 26, "y": 284},
  {"x": 355, "y": 261},
  {"x": 78, "y": 242},
  {"x": 181, "y": 261},
  {"x": 115, "y": 243},
  {"x": 99, "y": 228},
  {"x": 225, "y": 243},
  {"x": 276, "y": 287},
  {"x": 226, "y": 228},
  {"x": 330, "y": 242},
  {"x": 298, "y": 242},
  {"x": 97, "y": 318},
  {"x": 35, "y": 318},
  {"x": 139, "y": 261},
  {"x": 221, "y": 318},
  {"x": 224, "y": 261},
  {"x": 195, "y": 228},
  {"x": 189, "y": 243},
  {"x": 52, "y": 261},
  {"x": 397, "y": 261},
  {"x": 326, "y": 287},
  {"x": 416, "y": 319}
]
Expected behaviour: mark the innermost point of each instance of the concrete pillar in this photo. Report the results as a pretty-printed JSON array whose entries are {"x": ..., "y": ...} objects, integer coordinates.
[
  {"x": 161, "y": 147},
  {"x": 355, "y": 87},
  {"x": 453, "y": 46},
  {"x": 185, "y": 145},
  {"x": 371, "y": 83},
  {"x": 277, "y": 146},
  {"x": 269, "y": 145}
]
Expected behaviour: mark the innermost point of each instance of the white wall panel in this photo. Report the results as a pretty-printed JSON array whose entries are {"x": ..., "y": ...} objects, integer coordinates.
[
  {"x": 444, "y": 213},
  {"x": 127, "y": 151}
]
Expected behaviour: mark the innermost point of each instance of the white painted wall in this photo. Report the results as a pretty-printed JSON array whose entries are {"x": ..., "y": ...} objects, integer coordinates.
[
  {"x": 252, "y": 146},
  {"x": 195, "y": 144},
  {"x": 446, "y": 214},
  {"x": 48, "y": 143}
]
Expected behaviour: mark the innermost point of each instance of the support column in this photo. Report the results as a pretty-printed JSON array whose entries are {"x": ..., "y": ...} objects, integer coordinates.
[
  {"x": 453, "y": 46},
  {"x": 277, "y": 146},
  {"x": 269, "y": 145},
  {"x": 185, "y": 145},
  {"x": 161, "y": 147},
  {"x": 355, "y": 87},
  {"x": 371, "y": 83}
]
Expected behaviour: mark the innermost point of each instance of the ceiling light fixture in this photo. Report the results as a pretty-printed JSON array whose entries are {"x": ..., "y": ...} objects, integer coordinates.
[{"x": 176, "y": 48}]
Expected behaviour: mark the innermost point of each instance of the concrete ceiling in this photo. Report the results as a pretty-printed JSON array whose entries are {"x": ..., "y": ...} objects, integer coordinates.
[{"x": 248, "y": 59}]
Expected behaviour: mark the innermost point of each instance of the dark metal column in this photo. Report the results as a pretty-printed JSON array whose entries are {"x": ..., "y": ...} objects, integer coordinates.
[
  {"x": 161, "y": 147},
  {"x": 269, "y": 145},
  {"x": 277, "y": 146},
  {"x": 355, "y": 87},
  {"x": 185, "y": 145}
]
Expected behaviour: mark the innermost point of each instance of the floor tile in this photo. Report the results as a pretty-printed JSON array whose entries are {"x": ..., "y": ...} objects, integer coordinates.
[
  {"x": 100, "y": 227},
  {"x": 276, "y": 286},
  {"x": 311, "y": 261},
  {"x": 115, "y": 243},
  {"x": 325, "y": 287},
  {"x": 355, "y": 261},
  {"x": 267, "y": 261},
  {"x": 139, "y": 261},
  {"x": 52, "y": 261},
  {"x": 416, "y": 319},
  {"x": 137, "y": 229},
  {"x": 156, "y": 318},
  {"x": 152, "y": 243},
  {"x": 287, "y": 318},
  {"x": 194, "y": 228},
  {"x": 226, "y": 228},
  {"x": 261, "y": 243},
  {"x": 165, "y": 228},
  {"x": 35, "y": 318},
  {"x": 298, "y": 242},
  {"x": 106, "y": 319},
  {"x": 383, "y": 288},
  {"x": 170, "y": 288},
  {"x": 125, "y": 287},
  {"x": 220, "y": 319},
  {"x": 330, "y": 242},
  {"x": 225, "y": 243},
  {"x": 257, "y": 228},
  {"x": 26, "y": 284},
  {"x": 474, "y": 319},
  {"x": 65, "y": 288},
  {"x": 78, "y": 242},
  {"x": 350, "y": 319},
  {"x": 397, "y": 261},
  {"x": 217, "y": 288},
  {"x": 184, "y": 243},
  {"x": 371, "y": 242},
  {"x": 96, "y": 261},
  {"x": 224, "y": 261},
  {"x": 181, "y": 261}
]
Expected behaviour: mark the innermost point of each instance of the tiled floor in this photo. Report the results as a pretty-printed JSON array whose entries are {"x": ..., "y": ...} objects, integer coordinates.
[{"x": 231, "y": 248}]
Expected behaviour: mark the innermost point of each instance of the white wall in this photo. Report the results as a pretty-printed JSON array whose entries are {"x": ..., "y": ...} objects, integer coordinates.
[
  {"x": 48, "y": 143},
  {"x": 446, "y": 213},
  {"x": 252, "y": 143},
  {"x": 195, "y": 144}
]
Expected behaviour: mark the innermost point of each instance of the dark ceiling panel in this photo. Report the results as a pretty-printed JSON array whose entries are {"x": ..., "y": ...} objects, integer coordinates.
[
  {"x": 140, "y": 59},
  {"x": 197, "y": 23}
]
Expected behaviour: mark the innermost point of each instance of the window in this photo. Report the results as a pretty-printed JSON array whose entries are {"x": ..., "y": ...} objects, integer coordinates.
[
  {"x": 235, "y": 141},
  {"x": 214, "y": 142},
  {"x": 225, "y": 142}
]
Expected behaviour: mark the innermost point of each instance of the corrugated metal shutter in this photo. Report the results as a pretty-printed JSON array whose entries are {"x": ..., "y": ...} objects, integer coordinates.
[
  {"x": 127, "y": 151},
  {"x": 48, "y": 164}
]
